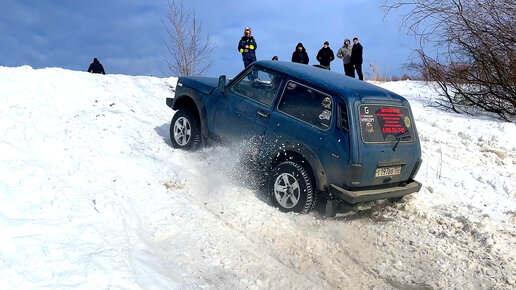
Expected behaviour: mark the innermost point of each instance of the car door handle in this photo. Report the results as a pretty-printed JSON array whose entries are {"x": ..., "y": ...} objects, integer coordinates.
[{"x": 262, "y": 114}]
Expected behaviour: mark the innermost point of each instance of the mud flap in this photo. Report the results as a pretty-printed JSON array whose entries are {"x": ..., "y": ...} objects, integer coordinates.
[{"x": 331, "y": 208}]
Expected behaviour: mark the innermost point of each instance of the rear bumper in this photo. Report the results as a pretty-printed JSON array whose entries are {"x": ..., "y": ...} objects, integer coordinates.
[{"x": 354, "y": 196}]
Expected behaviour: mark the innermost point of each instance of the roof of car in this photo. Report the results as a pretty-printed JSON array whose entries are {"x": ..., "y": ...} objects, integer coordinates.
[{"x": 330, "y": 80}]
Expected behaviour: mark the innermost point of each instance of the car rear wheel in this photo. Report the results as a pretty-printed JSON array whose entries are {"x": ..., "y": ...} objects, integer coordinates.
[
  {"x": 185, "y": 131},
  {"x": 291, "y": 188}
]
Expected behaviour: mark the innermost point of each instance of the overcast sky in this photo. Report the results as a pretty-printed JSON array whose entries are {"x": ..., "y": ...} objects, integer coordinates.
[{"x": 127, "y": 35}]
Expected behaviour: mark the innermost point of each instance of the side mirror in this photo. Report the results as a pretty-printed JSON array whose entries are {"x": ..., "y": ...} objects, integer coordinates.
[{"x": 222, "y": 83}]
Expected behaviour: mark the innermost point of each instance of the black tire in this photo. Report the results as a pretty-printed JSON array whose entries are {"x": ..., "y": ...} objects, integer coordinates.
[
  {"x": 187, "y": 135},
  {"x": 291, "y": 188}
]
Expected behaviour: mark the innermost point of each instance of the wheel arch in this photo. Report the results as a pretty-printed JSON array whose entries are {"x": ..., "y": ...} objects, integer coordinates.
[
  {"x": 190, "y": 103},
  {"x": 303, "y": 155}
]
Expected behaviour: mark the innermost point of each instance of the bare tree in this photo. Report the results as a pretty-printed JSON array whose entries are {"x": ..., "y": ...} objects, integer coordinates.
[
  {"x": 469, "y": 48},
  {"x": 189, "y": 54}
]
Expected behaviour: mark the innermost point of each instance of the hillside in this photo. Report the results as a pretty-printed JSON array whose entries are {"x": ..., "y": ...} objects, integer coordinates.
[{"x": 92, "y": 195}]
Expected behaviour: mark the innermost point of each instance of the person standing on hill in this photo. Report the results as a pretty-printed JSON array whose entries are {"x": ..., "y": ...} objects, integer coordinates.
[
  {"x": 247, "y": 47},
  {"x": 356, "y": 58},
  {"x": 344, "y": 53},
  {"x": 96, "y": 67},
  {"x": 300, "y": 55},
  {"x": 325, "y": 55}
]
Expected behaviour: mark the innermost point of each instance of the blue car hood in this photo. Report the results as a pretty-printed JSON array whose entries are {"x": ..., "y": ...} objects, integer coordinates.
[{"x": 203, "y": 84}]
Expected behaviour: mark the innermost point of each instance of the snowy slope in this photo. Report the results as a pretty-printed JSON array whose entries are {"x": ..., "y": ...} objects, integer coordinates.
[{"x": 93, "y": 196}]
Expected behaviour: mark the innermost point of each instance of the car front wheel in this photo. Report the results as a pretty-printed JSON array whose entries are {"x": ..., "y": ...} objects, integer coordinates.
[
  {"x": 291, "y": 188},
  {"x": 185, "y": 131}
]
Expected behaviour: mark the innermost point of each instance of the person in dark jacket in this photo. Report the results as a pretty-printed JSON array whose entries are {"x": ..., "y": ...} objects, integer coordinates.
[
  {"x": 247, "y": 47},
  {"x": 300, "y": 55},
  {"x": 96, "y": 67},
  {"x": 325, "y": 55},
  {"x": 356, "y": 58}
]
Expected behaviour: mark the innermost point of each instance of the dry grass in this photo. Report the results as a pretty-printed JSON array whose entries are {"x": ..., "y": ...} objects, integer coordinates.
[{"x": 498, "y": 153}]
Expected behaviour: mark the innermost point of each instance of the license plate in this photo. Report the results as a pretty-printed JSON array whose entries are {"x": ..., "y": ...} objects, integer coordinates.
[{"x": 386, "y": 171}]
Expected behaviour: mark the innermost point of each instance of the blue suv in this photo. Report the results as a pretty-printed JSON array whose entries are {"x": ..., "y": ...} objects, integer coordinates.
[{"x": 319, "y": 134}]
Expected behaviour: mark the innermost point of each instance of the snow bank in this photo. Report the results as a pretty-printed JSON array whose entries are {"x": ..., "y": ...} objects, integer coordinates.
[{"x": 93, "y": 196}]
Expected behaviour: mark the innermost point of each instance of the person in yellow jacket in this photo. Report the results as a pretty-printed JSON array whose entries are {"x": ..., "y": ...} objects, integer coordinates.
[{"x": 247, "y": 47}]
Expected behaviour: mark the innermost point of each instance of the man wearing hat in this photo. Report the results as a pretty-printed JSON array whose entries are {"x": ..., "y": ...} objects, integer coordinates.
[
  {"x": 344, "y": 53},
  {"x": 325, "y": 55},
  {"x": 247, "y": 46}
]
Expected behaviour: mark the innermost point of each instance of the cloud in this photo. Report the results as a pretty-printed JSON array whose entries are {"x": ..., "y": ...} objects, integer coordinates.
[
  {"x": 70, "y": 34},
  {"x": 128, "y": 35},
  {"x": 279, "y": 25}
]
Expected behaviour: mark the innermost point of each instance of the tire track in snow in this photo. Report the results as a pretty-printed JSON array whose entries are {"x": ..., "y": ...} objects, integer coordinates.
[
  {"x": 251, "y": 218},
  {"x": 229, "y": 257}
]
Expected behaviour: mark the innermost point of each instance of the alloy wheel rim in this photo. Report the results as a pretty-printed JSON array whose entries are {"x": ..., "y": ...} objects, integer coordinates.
[
  {"x": 286, "y": 190},
  {"x": 182, "y": 131}
]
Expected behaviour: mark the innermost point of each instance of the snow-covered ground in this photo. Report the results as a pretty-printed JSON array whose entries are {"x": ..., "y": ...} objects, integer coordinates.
[{"x": 93, "y": 196}]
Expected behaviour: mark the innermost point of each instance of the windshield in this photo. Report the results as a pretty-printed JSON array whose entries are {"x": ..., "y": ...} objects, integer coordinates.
[{"x": 382, "y": 124}]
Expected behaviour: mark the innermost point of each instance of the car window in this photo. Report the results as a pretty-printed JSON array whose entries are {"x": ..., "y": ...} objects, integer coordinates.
[
  {"x": 383, "y": 123},
  {"x": 260, "y": 85},
  {"x": 307, "y": 104}
]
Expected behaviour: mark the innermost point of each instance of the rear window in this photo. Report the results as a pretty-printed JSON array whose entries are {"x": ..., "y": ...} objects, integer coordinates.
[{"x": 380, "y": 123}]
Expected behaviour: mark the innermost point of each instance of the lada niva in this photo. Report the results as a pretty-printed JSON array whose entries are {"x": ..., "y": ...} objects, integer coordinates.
[{"x": 318, "y": 134}]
